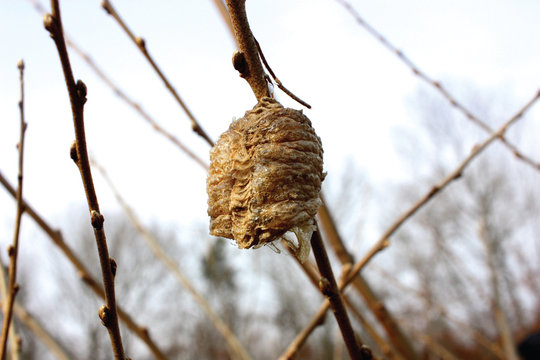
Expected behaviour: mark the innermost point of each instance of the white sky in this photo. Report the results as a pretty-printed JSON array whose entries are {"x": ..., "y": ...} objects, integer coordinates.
[{"x": 357, "y": 88}]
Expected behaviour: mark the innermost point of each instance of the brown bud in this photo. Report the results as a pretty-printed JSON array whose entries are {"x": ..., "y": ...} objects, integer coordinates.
[{"x": 265, "y": 177}]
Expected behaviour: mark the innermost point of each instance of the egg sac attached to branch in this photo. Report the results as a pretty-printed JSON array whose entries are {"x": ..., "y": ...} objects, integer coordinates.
[{"x": 265, "y": 178}]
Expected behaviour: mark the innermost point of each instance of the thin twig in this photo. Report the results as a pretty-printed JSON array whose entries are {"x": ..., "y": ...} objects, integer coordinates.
[
  {"x": 384, "y": 240},
  {"x": 141, "y": 45},
  {"x": 396, "y": 335},
  {"x": 328, "y": 286},
  {"x": 247, "y": 60},
  {"x": 278, "y": 82},
  {"x": 13, "y": 249},
  {"x": 14, "y": 337},
  {"x": 77, "y": 97},
  {"x": 57, "y": 238},
  {"x": 162, "y": 256},
  {"x": 435, "y": 84}
]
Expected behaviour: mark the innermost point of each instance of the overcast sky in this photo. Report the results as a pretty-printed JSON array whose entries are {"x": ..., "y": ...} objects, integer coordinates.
[{"x": 358, "y": 89}]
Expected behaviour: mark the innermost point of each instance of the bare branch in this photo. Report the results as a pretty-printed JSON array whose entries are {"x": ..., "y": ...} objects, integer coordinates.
[
  {"x": 278, "y": 82},
  {"x": 141, "y": 45},
  {"x": 383, "y": 242},
  {"x": 13, "y": 250},
  {"x": 77, "y": 97},
  {"x": 329, "y": 288},
  {"x": 435, "y": 84},
  {"x": 248, "y": 55}
]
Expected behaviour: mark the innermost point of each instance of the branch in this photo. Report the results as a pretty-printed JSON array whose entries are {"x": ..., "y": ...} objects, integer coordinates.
[
  {"x": 384, "y": 241},
  {"x": 328, "y": 286},
  {"x": 77, "y": 97},
  {"x": 435, "y": 84},
  {"x": 13, "y": 249},
  {"x": 56, "y": 237},
  {"x": 141, "y": 45},
  {"x": 226, "y": 18},
  {"x": 247, "y": 61},
  {"x": 161, "y": 255}
]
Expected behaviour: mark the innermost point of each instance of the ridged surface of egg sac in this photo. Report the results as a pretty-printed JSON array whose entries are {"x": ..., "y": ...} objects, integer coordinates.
[{"x": 265, "y": 177}]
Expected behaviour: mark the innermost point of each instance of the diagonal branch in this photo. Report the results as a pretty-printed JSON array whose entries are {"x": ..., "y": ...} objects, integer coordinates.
[
  {"x": 384, "y": 241},
  {"x": 79, "y": 154},
  {"x": 141, "y": 45},
  {"x": 13, "y": 250},
  {"x": 435, "y": 84}
]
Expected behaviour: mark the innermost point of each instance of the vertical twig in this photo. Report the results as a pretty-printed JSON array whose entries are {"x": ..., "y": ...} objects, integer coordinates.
[
  {"x": 247, "y": 60},
  {"x": 79, "y": 154},
  {"x": 329, "y": 288},
  {"x": 141, "y": 45},
  {"x": 13, "y": 249},
  {"x": 14, "y": 338}
]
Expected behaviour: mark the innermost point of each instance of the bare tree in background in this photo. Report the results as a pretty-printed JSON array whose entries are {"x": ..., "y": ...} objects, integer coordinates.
[{"x": 442, "y": 254}]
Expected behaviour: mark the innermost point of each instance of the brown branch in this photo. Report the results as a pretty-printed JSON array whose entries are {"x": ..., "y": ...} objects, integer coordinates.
[
  {"x": 162, "y": 256},
  {"x": 77, "y": 97},
  {"x": 435, "y": 84},
  {"x": 278, "y": 82},
  {"x": 13, "y": 250},
  {"x": 384, "y": 240},
  {"x": 56, "y": 237},
  {"x": 395, "y": 334},
  {"x": 328, "y": 286},
  {"x": 141, "y": 45},
  {"x": 247, "y": 59}
]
